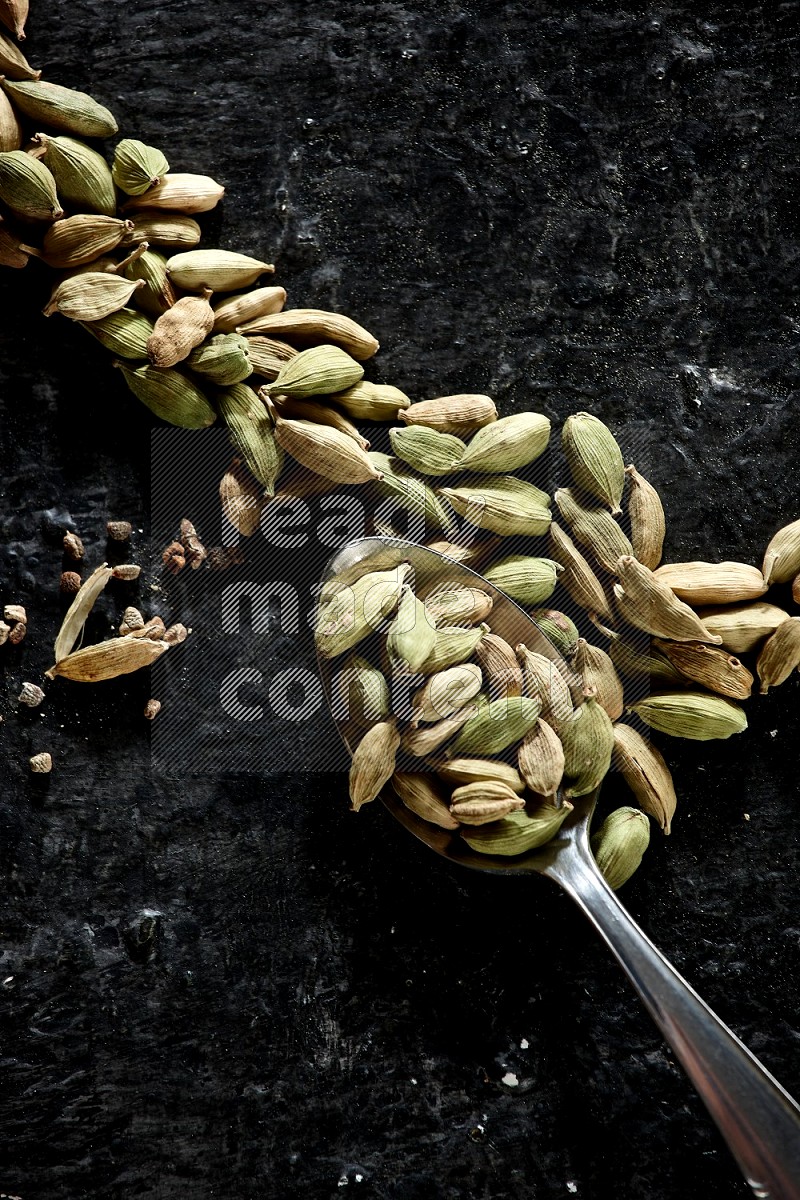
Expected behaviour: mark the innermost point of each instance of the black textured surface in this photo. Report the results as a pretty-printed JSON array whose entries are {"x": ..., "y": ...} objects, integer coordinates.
[{"x": 230, "y": 986}]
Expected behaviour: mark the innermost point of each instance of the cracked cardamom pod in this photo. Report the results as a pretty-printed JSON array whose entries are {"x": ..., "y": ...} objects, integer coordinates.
[
  {"x": 481, "y": 770},
  {"x": 712, "y": 583},
  {"x": 461, "y": 414},
  {"x": 619, "y": 845},
  {"x": 79, "y": 240},
  {"x": 578, "y": 579},
  {"x": 223, "y": 359},
  {"x": 499, "y": 725},
  {"x": 137, "y": 166},
  {"x": 780, "y": 655},
  {"x": 710, "y": 666},
  {"x": 428, "y": 451},
  {"x": 480, "y": 803},
  {"x": 740, "y": 627},
  {"x": 234, "y": 311},
  {"x": 541, "y": 759},
  {"x": 28, "y": 188},
  {"x": 170, "y": 395},
  {"x": 373, "y": 763},
  {"x": 508, "y": 444},
  {"x": 91, "y": 295},
  {"x": 646, "y": 773},
  {"x": 372, "y": 401},
  {"x": 78, "y": 611},
  {"x": 693, "y": 715},
  {"x": 421, "y": 796},
  {"x": 60, "y": 108},
  {"x": 594, "y": 458},
  {"x": 647, "y": 603},
  {"x": 314, "y": 325},
  {"x": 182, "y": 193},
  {"x": 316, "y": 372},
  {"x": 179, "y": 330},
  {"x": 83, "y": 180},
  {"x": 782, "y": 556},
  {"x": 646, "y": 515},
  {"x": 171, "y": 230},
  {"x": 529, "y": 581},
  {"x": 504, "y": 505},
  {"x": 598, "y": 675},
  {"x": 445, "y": 692},
  {"x": 107, "y": 660},
  {"x": 594, "y": 528},
  {"x": 124, "y": 333},
  {"x": 519, "y": 832},
  {"x": 251, "y": 432}
]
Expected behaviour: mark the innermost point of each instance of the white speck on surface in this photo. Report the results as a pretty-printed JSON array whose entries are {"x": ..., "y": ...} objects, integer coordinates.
[
  {"x": 359, "y": 1178},
  {"x": 772, "y": 732},
  {"x": 413, "y": 1080},
  {"x": 510, "y": 1079},
  {"x": 524, "y": 1044},
  {"x": 343, "y": 1181},
  {"x": 571, "y": 1187},
  {"x": 746, "y": 816}
]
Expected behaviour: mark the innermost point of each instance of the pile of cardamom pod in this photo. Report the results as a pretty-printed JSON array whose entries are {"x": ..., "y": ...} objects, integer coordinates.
[{"x": 187, "y": 327}]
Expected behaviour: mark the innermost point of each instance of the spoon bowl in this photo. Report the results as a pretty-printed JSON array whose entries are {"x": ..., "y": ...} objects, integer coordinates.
[{"x": 759, "y": 1120}]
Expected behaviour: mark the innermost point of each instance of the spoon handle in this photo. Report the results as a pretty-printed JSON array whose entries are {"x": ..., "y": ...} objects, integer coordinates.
[{"x": 758, "y": 1119}]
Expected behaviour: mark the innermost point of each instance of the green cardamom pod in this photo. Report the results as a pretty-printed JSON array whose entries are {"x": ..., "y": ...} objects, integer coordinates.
[
  {"x": 503, "y": 505},
  {"x": 61, "y": 108},
  {"x": 499, "y": 725},
  {"x": 519, "y": 832},
  {"x": 452, "y": 646},
  {"x": 594, "y": 528},
  {"x": 619, "y": 844},
  {"x": 693, "y": 715},
  {"x": 83, "y": 180},
  {"x": 137, "y": 167},
  {"x": 558, "y": 628},
  {"x": 124, "y": 333},
  {"x": 646, "y": 773},
  {"x": 412, "y": 634},
  {"x": 545, "y": 683},
  {"x": 234, "y": 311},
  {"x": 317, "y": 372},
  {"x": 427, "y": 450},
  {"x": 421, "y": 796},
  {"x": 91, "y": 295},
  {"x": 372, "y": 401},
  {"x": 408, "y": 491},
  {"x": 158, "y": 295},
  {"x": 170, "y": 395},
  {"x": 222, "y": 359},
  {"x": 599, "y": 677},
  {"x": 360, "y": 693},
  {"x": 13, "y": 63},
  {"x": 172, "y": 230},
  {"x": 252, "y": 433},
  {"x": 782, "y": 556},
  {"x": 507, "y": 444},
  {"x": 445, "y": 692},
  {"x": 220, "y": 270},
  {"x": 348, "y": 614},
  {"x": 28, "y": 188},
  {"x": 79, "y": 240},
  {"x": 594, "y": 458},
  {"x": 527, "y": 580},
  {"x": 269, "y": 356},
  {"x": 588, "y": 741}
]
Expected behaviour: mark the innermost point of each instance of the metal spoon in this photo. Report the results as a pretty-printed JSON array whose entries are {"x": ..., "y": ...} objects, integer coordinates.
[{"x": 758, "y": 1119}]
